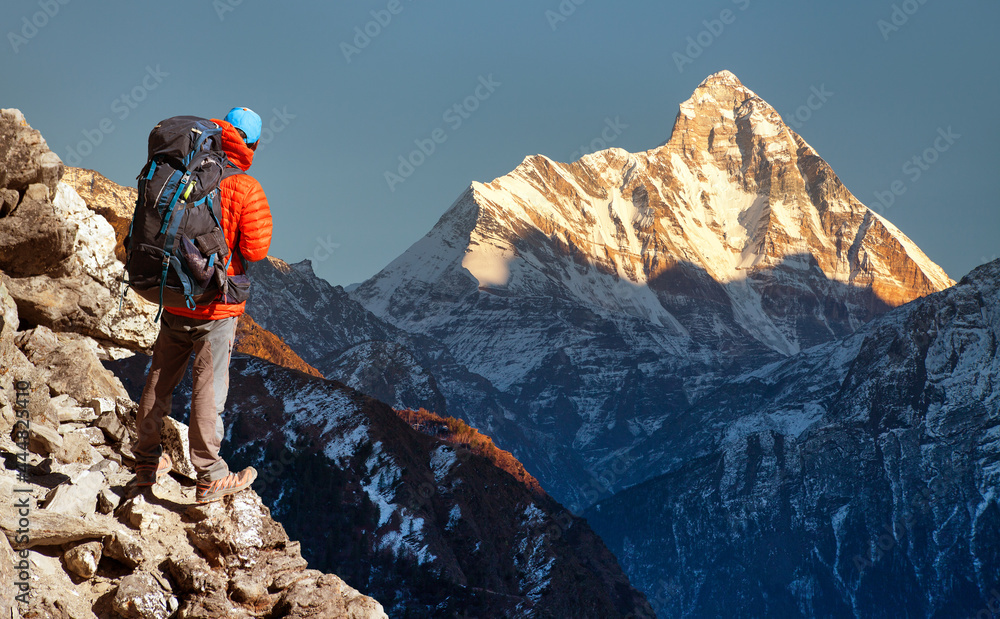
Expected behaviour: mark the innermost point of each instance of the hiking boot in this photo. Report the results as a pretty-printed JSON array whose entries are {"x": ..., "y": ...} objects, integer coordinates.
[
  {"x": 148, "y": 474},
  {"x": 209, "y": 491}
]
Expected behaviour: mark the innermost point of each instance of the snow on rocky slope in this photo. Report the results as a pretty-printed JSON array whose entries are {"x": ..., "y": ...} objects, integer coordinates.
[
  {"x": 601, "y": 296},
  {"x": 856, "y": 479}
]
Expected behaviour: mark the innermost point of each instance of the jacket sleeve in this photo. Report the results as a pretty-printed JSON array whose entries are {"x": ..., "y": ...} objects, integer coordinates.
[{"x": 255, "y": 221}]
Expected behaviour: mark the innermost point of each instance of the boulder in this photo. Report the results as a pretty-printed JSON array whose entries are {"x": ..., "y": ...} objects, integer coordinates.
[
  {"x": 124, "y": 548},
  {"x": 107, "y": 501},
  {"x": 326, "y": 597},
  {"x": 42, "y": 440},
  {"x": 112, "y": 427},
  {"x": 237, "y": 537},
  {"x": 77, "y": 497},
  {"x": 193, "y": 575},
  {"x": 9, "y": 199},
  {"x": 52, "y": 529},
  {"x": 33, "y": 241},
  {"x": 25, "y": 157},
  {"x": 141, "y": 596},
  {"x": 69, "y": 365},
  {"x": 139, "y": 514},
  {"x": 67, "y": 410},
  {"x": 77, "y": 448},
  {"x": 106, "y": 198},
  {"x": 93, "y": 436},
  {"x": 83, "y": 559},
  {"x": 174, "y": 437}
]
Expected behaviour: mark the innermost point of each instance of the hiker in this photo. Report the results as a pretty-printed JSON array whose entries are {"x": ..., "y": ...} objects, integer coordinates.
[{"x": 209, "y": 331}]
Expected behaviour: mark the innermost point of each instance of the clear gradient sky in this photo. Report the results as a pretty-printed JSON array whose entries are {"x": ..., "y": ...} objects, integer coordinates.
[{"x": 345, "y": 107}]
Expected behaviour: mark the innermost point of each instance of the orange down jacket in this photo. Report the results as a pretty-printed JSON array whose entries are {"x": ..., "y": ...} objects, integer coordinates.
[{"x": 246, "y": 219}]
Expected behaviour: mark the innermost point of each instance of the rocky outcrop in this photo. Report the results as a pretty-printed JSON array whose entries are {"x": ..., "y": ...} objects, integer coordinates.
[
  {"x": 114, "y": 202},
  {"x": 152, "y": 554},
  {"x": 57, "y": 256},
  {"x": 96, "y": 545}
]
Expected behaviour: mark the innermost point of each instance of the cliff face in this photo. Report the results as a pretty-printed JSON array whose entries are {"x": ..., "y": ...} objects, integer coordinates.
[
  {"x": 856, "y": 479},
  {"x": 88, "y": 544}
]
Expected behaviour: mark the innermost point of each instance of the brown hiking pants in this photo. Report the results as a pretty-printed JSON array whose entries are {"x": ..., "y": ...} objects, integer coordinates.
[{"x": 212, "y": 344}]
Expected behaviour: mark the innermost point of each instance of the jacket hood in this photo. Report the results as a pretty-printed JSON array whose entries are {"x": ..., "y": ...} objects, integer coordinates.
[{"x": 236, "y": 149}]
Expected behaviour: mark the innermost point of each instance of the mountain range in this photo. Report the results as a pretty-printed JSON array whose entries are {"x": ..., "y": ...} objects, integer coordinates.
[{"x": 759, "y": 392}]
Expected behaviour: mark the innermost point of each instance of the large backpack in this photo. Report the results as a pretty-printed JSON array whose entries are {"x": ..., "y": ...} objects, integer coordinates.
[{"x": 176, "y": 244}]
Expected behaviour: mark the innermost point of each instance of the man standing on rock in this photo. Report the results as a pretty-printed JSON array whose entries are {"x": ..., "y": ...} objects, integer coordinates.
[{"x": 208, "y": 331}]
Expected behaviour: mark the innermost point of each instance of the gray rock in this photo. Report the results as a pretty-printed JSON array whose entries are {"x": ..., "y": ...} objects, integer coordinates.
[
  {"x": 52, "y": 529},
  {"x": 139, "y": 514},
  {"x": 107, "y": 466},
  {"x": 83, "y": 559},
  {"x": 43, "y": 440},
  {"x": 9, "y": 200},
  {"x": 69, "y": 365},
  {"x": 77, "y": 497},
  {"x": 33, "y": 241},
  {"x": 249, "y": 587},
  {"x": 140, "y": 596},
  {"x": 37, "y": 192},
  {"x": 326, "y": 597},
  {"x": 175, "y": 443},
  {"x": 237, "y": 538},
  {"x": 67, "y": 410},
  {"x": 125, "y": 548},
  {"x": 76, "y": 448},
  {"x": 101, "y": 406},
  {"x": 107, "y": 501},
  {"x": 193, "y": 575},
  {"x": 94, "y": 436},
  {"x": 287, "y": 579},
  {"x": 109, "y": 424},
  {"x": 25, "y": 157},
  {"x": 74, "y": 302}
]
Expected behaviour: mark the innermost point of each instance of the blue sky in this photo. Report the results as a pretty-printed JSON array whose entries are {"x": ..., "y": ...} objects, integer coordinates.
[{"x": 95, "y": 77}]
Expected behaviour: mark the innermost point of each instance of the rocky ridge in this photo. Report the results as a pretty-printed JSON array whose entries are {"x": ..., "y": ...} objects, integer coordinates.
[
  {"x": 855, "y": 479},
  {"x": 94, "y": 546}
]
